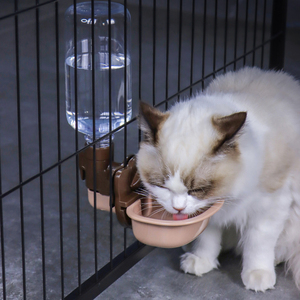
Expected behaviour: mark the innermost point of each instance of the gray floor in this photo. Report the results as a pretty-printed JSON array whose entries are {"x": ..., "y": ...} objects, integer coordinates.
[{"x": 157, "y": 276}]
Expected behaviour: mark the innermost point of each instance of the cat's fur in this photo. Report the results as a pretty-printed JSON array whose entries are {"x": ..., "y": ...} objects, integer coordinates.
[{"x": 239, "y": 141}]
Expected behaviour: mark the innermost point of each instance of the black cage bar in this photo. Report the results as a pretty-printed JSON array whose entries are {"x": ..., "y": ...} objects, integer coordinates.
[{"x": 54, "y": 245}]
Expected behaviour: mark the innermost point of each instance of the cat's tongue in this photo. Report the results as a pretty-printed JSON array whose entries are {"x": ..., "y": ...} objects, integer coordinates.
[{"x": 180, "y": 216}]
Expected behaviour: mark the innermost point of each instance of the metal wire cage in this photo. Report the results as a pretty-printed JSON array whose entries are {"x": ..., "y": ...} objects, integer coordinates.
[{"x": 53, "y": 243}]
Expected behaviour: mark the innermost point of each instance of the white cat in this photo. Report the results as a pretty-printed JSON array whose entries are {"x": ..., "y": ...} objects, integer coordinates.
[{"x": 239, "y": 141}]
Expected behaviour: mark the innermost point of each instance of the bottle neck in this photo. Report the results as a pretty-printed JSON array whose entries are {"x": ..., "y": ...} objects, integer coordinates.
[{"x": 104, "y": 143}]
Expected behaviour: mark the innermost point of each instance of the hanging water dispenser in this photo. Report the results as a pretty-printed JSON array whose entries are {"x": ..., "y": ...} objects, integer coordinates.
[
  {"x": 98, "y": 68},
  {"x": 98, "y": 86}
]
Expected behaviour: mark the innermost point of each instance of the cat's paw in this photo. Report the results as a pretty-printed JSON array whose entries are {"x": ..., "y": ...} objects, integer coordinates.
[
  {"x": 259, "y": 280},
  {"x": 191, "y": 263}
]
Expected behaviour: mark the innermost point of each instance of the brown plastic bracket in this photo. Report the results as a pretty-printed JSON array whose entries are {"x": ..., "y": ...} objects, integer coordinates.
[
  {"x": 102, "y": 161},
  {"x": 126, "y": 185},
  {"x": 125, "y": 179}
]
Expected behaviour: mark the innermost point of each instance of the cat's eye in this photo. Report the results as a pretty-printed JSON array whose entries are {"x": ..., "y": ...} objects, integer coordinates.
[
  {"x": 195, "y": 191},
  {"x": 203, "y": 190},
  {"x": 160, "y": 186}
]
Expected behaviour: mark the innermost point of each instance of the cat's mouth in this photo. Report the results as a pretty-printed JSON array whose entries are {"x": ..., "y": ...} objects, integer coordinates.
[{"x": 180, "y": 216}]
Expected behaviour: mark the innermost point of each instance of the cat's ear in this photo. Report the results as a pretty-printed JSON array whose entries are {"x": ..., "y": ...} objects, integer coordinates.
[
  {"x": 228, "y": 127},
  {"x": 150, "y": 120}
]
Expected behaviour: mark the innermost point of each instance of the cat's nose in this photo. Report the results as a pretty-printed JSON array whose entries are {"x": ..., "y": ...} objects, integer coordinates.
[
  {"x": 179, "y": 209},
  {"x": 179, "y": 202}
]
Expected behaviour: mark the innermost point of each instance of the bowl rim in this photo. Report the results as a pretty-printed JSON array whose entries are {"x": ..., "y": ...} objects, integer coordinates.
[{"x": 171, "y": 223}]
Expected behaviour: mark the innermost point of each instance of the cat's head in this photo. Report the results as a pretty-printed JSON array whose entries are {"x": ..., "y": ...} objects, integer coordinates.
[{"x": 190, "y": 156}]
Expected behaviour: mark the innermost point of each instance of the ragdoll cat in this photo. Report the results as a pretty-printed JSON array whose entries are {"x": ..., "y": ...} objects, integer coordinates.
[{"x": 239, "y": 141}]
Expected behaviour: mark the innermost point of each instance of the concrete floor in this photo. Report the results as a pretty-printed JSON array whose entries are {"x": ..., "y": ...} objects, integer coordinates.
[{"x": 157, "y": 276}]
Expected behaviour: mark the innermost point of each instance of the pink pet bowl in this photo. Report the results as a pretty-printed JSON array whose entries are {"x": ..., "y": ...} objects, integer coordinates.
[{"x": 153, "y": 226}]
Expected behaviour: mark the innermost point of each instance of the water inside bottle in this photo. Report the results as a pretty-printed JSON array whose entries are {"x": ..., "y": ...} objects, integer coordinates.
[{"x": 86, "y": 110}]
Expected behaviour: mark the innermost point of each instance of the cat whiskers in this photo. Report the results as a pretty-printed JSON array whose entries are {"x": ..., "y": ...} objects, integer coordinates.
[
  {"x": 164, "y": 215},
  {"x": 146, "y": 206},
  {"x": 213, "y": 200},
  {"x": 156, "y": 212},
  {"x": 142, "y": 192}
]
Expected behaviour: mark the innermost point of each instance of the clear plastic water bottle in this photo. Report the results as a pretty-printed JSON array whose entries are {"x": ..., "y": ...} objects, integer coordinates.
[{"x": 79, "y": 64}]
